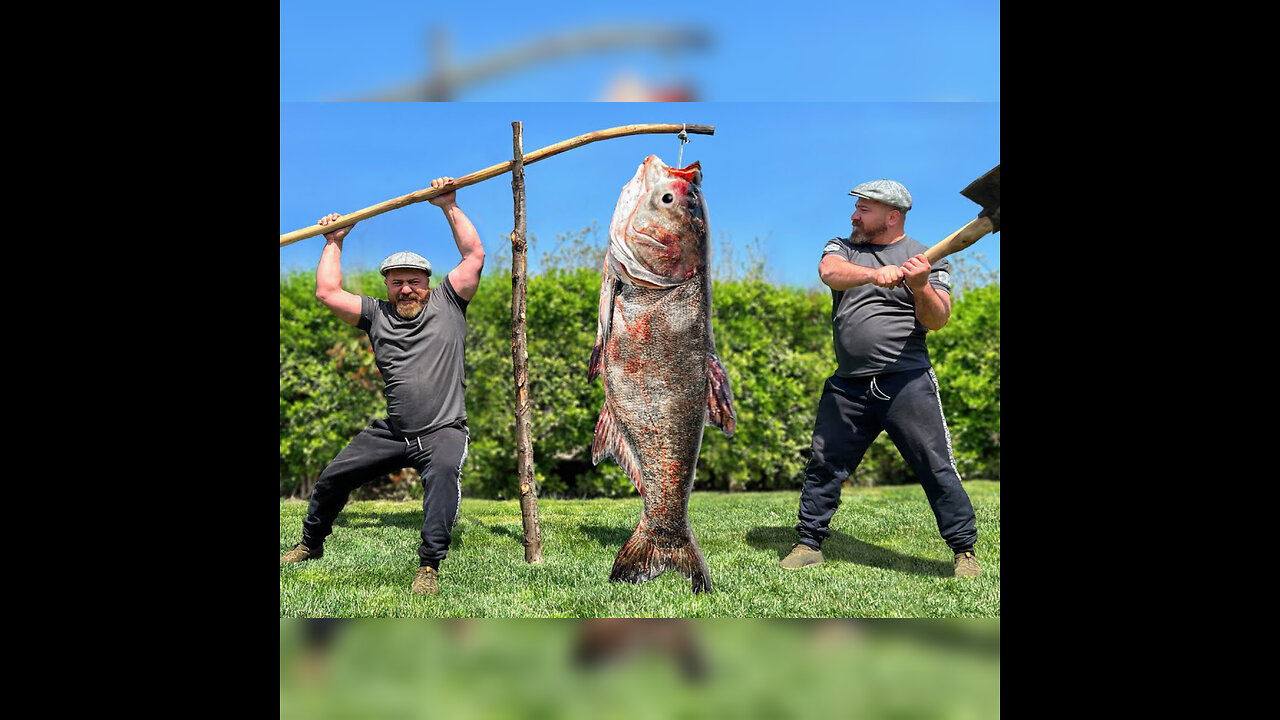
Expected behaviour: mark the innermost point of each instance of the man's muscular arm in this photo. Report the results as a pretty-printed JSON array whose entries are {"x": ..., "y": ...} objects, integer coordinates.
[
  {"x": 840, "y": 274},
  {"x": 329, "y": 275},
  {"x": 933, "y": 306},
  {"x": 465, "y": 277}
]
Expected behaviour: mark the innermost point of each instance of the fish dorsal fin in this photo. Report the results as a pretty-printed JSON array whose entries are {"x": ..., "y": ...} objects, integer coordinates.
[{"x": 611, "y": 442}]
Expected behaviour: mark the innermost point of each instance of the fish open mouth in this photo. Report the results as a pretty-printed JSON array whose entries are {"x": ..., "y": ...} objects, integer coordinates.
[{"x": 687, "y": 172}]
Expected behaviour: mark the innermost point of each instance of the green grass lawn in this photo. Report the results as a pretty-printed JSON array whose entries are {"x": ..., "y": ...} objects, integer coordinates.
[{"x": 884, "y": 559}]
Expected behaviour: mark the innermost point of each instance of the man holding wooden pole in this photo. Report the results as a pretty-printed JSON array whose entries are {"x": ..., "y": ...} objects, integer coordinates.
[
  {"x": 418, "y": 337},
  {"x": 461, "y": 283}
]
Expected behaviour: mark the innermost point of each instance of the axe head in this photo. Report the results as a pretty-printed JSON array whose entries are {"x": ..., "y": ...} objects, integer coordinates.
[{"x": 986, "y": 192}]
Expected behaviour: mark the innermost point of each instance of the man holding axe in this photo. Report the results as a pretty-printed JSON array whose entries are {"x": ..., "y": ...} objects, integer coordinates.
[
  {"x": 887, "y": 292},
  {"x": 418, "y": 336}
]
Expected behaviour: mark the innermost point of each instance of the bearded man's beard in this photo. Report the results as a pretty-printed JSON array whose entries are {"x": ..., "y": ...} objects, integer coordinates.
[
  {"x": 866, "y": 234},
  {"x": 410, "y": 309}
]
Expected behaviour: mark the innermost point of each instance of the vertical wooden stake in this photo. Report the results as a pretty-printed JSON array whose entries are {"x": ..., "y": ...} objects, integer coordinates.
[{"x": 520, "y": 359}]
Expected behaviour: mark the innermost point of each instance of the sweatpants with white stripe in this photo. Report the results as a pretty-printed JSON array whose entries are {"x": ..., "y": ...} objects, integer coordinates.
[
  {"x": 851, "y": 415},
  {"x": 381, "y": 449}
]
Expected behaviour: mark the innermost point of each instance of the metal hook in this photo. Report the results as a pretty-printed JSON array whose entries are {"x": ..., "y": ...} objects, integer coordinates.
[{"x": 684, "y": 138}]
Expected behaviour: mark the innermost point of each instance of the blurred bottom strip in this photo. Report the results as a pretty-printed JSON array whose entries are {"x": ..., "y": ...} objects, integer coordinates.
[{"x": 652, "y": 668}]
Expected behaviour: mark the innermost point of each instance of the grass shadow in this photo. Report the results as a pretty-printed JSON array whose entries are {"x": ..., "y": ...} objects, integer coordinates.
[
  {"x": 410, "y": 521},
  {"x": 407, "y": 520},
  {"x": 517, "y": 535},
  {"x": 610, "y": 538},
  {"x": 847, "y": 548}
]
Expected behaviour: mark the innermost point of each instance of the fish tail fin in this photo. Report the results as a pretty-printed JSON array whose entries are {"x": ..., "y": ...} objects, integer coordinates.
[
  {"x": 720, "y": 412},
  {"x": 640, "y": 560},
  {"x": 610, "y": 442}
]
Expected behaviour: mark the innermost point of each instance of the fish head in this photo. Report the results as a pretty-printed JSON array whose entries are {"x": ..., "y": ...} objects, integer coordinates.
[{"x": 658, "y": 235}]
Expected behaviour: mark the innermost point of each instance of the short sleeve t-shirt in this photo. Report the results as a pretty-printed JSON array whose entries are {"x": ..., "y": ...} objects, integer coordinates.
[
  {"x": 421, "y": 360},
  {"x": 875, "y": 329}
]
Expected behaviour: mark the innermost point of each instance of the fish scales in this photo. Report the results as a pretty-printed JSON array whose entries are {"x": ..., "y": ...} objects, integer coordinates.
[{"x": 656, "y": 375}]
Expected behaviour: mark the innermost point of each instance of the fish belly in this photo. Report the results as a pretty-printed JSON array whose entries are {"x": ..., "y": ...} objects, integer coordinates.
[{"x": 655, "y": 374}]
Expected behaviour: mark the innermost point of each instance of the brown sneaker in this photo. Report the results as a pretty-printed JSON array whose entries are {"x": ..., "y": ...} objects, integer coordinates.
[
  {"x": 967, "y": 565},
  {"x": 301, "y": 552},
  {"x": 801, "y": 556},
  {"x": 424, "y": 583}
]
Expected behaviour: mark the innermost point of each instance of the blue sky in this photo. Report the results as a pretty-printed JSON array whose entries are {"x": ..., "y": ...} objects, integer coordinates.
[
  {"x": 820, "y": 50},
  {"x": 776, "y": 171}
]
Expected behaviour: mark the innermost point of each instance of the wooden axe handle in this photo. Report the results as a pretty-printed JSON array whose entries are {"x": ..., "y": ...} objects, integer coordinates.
[
  {"x": 960, "y": 239},
  {"x": 491, "y": 172}
]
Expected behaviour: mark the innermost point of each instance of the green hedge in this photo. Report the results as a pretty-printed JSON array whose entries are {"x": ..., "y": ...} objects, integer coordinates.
[{"x": 775, "y": 342}]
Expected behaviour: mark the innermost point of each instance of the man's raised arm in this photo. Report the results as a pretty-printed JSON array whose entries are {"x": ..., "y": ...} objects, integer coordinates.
[
  {"x": 465, "y": 278},
  {"x": 329, "y": 275}
]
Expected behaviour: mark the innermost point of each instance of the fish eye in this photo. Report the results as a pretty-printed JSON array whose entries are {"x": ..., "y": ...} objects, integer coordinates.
[{"x": 667, "y": 198}]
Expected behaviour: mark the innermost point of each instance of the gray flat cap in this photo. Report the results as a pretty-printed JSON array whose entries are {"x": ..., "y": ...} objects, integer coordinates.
[
  {"x": 405, "y": 259},
  {"x": 885, "y": 191}
]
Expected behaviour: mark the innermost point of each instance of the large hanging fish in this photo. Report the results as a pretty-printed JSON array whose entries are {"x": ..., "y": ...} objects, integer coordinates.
[{"x": 656, "y": 354}]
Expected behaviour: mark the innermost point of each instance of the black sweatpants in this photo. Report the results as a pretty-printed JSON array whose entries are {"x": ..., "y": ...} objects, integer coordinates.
[
  {"x": 380, "y": 449},
  {"x": 851, "y": 415}
]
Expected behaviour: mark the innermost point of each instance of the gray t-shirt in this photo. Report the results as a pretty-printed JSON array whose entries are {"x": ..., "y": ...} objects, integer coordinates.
[
  {"x": 421, "y": 360},
  {"x": 875, "y": 329}
]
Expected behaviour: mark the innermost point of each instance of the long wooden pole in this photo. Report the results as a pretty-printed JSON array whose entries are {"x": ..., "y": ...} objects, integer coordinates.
[
  {"x": 520, "y": 357},
  {"x": 491, "y": 172}
]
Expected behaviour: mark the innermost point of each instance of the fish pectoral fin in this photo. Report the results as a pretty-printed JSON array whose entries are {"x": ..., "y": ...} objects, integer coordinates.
[
  {"x": 608, "y": 289},
  {"x": 720, "y": 412},
  {"x": 610, "y": 442},
  {"x": 593, "y": 366}
]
